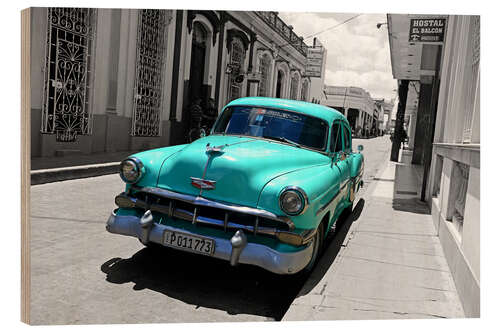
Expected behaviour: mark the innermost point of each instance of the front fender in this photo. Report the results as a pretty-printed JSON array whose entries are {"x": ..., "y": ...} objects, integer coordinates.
[
  {"x": 357, "y": 165},
  {"x": 153, "y": 160},
  {"x": 320, "y": 183}
]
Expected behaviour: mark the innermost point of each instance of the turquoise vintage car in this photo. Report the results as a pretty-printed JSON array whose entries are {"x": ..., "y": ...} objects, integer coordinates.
[{"x": 264, "y": 188}]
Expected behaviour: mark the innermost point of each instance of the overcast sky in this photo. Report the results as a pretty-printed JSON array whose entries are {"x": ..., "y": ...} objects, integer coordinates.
[{"x": 358, "y": 52}]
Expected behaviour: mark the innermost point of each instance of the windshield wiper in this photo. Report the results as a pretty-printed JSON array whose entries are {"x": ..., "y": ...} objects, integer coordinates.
[{"x": 283, "y": 139}]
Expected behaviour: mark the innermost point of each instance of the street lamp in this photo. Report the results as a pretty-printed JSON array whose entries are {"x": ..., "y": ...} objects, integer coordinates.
[{"x": 381, "y": 24}]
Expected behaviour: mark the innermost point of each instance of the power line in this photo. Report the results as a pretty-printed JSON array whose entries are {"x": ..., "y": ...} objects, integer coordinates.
[
  {"x": 330, "y": 28},
  {"x": 333, "y": 27}
]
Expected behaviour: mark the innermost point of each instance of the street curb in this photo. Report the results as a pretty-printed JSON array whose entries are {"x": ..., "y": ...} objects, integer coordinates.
[{"x": 84, "y": 171}]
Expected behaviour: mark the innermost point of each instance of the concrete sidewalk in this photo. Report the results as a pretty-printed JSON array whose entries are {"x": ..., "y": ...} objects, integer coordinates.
[
  {"x": 390, "y": 265},
  {"x": 59, "y": 168}
]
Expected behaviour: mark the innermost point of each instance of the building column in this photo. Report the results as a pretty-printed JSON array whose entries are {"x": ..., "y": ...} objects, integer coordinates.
[
  {"x": 423, "y": 119},
  {"x": 430, "y": 130},
  {"x": 411, "y": 131},
  {"x": 179, "y": 21},
  {"x": 400, "y": 116},
  {"x": 220, "y": 71},
  {"x": 253, "y": 38}
]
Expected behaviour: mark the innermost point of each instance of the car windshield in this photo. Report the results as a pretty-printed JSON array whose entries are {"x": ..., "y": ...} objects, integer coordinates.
[{"x": 286, "y": 126}]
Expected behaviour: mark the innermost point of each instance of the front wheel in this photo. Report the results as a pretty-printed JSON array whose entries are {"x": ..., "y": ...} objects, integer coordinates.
[{"x": 317, "y": 244}]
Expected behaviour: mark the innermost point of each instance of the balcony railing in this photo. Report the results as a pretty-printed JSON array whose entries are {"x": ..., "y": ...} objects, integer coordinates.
[{"x": 274, "y": 21}]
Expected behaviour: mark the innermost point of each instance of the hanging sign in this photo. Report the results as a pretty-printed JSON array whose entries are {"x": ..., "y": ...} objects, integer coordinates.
[
  {"x": 254, "y": 77},
  {"x": 427, "y": 30},
  {"x": 314, "y": 61}
]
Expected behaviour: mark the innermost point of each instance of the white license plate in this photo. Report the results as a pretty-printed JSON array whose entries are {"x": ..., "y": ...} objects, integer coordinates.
[{"x": 187, "y": 242}]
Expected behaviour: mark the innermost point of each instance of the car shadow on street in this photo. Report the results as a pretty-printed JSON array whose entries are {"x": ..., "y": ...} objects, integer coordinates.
[
  {"x": 206, "y": 282},
  {"x": 334, "y": 242}
]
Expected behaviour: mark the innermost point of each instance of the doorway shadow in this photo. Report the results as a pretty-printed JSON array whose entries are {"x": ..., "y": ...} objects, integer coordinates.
[
  {"x": 411, "y": 205},
  {"x": 407, "y": 189}
]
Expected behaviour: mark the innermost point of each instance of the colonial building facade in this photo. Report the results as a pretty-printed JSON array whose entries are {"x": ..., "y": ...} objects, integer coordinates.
[
  {"x": 357, "y": 105},
  {"x": 440, "y": 84},
  {"x": 106, "y": 80}
]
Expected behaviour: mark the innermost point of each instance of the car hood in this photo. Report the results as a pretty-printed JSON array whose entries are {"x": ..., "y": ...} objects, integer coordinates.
[{"x": 242, "y": 168}]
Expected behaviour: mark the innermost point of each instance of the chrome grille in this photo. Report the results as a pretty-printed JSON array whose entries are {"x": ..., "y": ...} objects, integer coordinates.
[{"x": 202, "y": 212}]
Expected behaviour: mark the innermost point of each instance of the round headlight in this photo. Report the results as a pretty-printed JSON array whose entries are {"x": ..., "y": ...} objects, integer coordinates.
[
  {"x": 293, "y": 201},
  {"x": 131, "y": 170}
]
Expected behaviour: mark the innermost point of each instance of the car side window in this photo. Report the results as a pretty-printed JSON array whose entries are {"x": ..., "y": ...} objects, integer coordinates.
[
  {"x": 347, "y": 140},
  {"x": 336, "y": 138}
]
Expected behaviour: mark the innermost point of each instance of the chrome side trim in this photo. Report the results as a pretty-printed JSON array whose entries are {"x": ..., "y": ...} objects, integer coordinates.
[
  {"x": 200, "y": 201},
  {"x": 335, "y": 197},
  {"x": 358, "y": 177},
  {"x": 327, "y": 204}
]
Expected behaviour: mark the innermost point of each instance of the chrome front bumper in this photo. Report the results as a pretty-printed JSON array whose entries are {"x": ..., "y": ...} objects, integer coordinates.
[{"x": 253, "y": 254}]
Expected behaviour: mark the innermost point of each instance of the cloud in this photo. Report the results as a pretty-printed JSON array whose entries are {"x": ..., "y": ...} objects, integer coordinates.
[{"x": 358, "y": 53}]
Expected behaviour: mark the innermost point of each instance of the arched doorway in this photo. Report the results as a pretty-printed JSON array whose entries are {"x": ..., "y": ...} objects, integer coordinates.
[
  {"x": 279, "y": 84},
  {"x": 197, "y": 69}
]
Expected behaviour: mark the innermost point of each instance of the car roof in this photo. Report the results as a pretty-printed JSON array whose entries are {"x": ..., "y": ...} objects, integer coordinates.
[{"x": 317, "y": 110}]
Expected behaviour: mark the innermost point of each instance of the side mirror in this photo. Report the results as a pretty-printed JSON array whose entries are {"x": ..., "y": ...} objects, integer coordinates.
[{"x": 360, "y": 148}]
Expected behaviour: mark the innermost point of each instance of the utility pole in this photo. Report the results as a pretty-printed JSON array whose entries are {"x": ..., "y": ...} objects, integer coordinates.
[
  {"x": 400, "y": 116},
  {"x": 343, "y": 104}
]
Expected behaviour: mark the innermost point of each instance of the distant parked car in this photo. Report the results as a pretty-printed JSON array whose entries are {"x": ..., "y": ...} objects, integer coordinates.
[{"x": 264, "y": 188}]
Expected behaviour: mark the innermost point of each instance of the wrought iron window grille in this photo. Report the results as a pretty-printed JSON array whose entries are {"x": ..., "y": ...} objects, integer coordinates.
[
  {"x": 149, "y": 74},
  {"x": 66, "y": 110}
]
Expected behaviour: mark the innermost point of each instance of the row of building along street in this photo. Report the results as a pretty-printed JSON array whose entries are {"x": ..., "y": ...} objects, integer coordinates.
[
  {"x": 108, "y": 80},
  {"x": 438, "y": 107}
]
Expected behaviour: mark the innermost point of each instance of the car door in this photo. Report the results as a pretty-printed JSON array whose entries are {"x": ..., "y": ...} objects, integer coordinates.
[
  {"x": 340, "y": 156},
  {"x": 347, "y": 146},
  {"x": 349, "y": 157}
]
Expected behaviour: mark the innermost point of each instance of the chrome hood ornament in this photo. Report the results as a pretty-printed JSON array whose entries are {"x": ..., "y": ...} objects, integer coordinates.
[{"x": 214, "y": 149}]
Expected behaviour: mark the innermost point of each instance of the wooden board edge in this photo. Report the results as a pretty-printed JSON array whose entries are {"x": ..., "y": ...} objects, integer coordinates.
[{"x": 25, "y": 164}]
